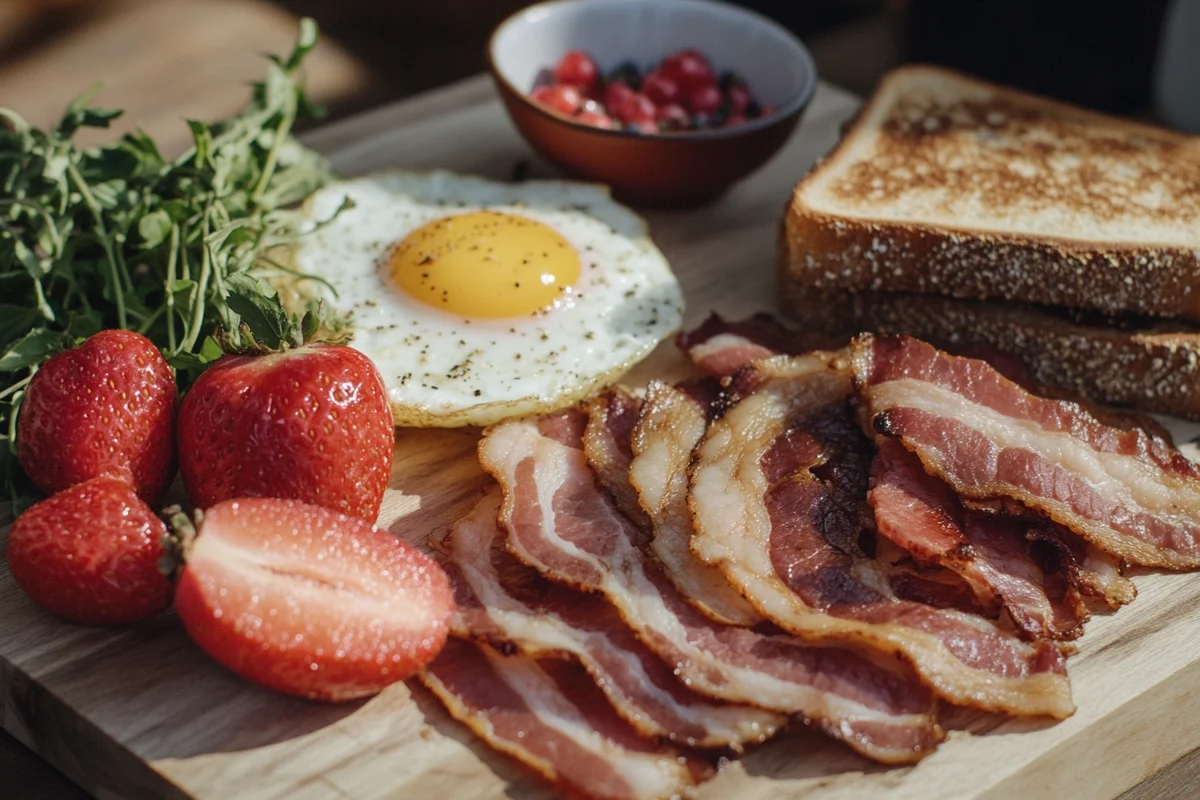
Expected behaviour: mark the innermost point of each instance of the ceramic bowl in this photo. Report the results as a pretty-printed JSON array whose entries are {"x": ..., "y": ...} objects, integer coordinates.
[{"x": 665, "y": 169}]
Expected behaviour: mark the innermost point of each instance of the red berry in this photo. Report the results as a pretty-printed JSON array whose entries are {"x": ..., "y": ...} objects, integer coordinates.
[
  {"x": 766, "y": 111},
  {"x": 615, "y": 95},
  {"x": 734, "y": 119},
  {"x": 704, "y": 100},
  {"x": 596, "y": 119},
  {"x": 739, "y": 98},
  {"x": 644, "y": 126},
  {"x": 106, "y": 407},
  {"x": 689, "y": 69},
  {"x": 312, "y": 424},
  {"x": 673, "y": 117},
  {"x": 559, "y": 97},
  {"x": 310, "y": 602},
  {"x": 90, "y": 554},
  {"x": 576, "y": 68},
  {"x": 636, "y": 108},
  {"x": 693, "y": 54},
  {"x": 661, "y": 89}
]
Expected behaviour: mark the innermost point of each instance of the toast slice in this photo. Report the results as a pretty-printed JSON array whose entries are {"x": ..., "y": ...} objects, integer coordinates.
[
  {"x": 1149, "y": 364},
  {"x": 946, "y": 184}
]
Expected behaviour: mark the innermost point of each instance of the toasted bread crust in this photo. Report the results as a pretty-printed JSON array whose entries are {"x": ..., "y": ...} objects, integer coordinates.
[
  {"x": 831, "y": 253},
  {"x": 1154, "y": 369},
  {"x": 862, "y": 250}
]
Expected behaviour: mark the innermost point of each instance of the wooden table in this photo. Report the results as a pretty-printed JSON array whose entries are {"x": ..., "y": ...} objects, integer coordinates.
[{"x": 141, "y": 712}]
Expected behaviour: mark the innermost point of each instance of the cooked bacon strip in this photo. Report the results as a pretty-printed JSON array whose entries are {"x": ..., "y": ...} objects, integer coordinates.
[
  {"x": 1122, "y": 490},
  {"x": 670, "y": 424},
  {"x": 608, "y": 443},
  {"x": 778, "y": 492},
  {"x": 1089, "y": 569},
  {"x": 550, "y": 716},
  {"x": 562, "y": 523},
  {"x": 992, "y": 553},
  {"x": 721, "y": 348},
  {"x": 505, "y": 602}
]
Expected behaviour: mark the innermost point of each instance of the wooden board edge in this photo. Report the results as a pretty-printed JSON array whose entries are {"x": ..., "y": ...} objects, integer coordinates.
[
  {"x": 1154, "y": 718},
  {"x": 73, "y": 745},
  {"x": 1177, "y": 781}
]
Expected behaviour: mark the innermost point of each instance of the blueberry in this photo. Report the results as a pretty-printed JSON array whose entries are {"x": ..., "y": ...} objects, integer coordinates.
[
  {"x": 627, "y": 73},
  {"x": 545, "y": 77}
]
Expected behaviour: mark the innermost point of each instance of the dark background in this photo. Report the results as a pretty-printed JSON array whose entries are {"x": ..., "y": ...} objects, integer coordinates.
[{"x": 1099, "y": 53}]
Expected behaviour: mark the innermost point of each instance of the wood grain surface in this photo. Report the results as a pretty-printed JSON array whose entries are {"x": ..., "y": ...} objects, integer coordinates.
[{"x": 141, "y": 712}]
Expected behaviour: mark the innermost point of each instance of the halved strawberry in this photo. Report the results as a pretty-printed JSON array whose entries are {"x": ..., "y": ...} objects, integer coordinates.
[{"x": 308, "y": 601}]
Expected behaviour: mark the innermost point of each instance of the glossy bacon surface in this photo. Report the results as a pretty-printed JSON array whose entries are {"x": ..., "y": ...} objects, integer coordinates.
[
  {"x": 550, "y": 716},
  {"x": 650, "y": 459},
  {"x": 505, "y": 602},
  {"x": 562, "y": 523},
  {"x": 992, "y": 553},
  {"x": 1124, "y": 491},
  {"x": 778, "y": 491}
]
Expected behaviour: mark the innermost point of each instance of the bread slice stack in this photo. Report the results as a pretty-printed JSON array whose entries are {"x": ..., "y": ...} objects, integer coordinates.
[{"x": 970, "y": 214}]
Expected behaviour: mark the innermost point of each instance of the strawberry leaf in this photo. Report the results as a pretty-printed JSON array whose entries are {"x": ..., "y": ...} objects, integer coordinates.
[{"x": 264, "y": 315}]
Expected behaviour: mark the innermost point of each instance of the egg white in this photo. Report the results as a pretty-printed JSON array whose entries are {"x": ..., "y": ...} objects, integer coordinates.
[{"x": 445, "y": 370}]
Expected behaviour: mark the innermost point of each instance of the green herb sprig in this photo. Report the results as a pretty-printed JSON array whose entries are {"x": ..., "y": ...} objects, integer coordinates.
[{"x": 117, "y": 236}]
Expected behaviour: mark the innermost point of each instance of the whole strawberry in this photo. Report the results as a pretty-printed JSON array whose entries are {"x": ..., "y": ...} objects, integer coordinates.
[
  {"x": 311, "y": 423},
  {"x": 106, "y": 407},
  {"x": 90, "y": 553},
  {"x": 307, "y": 601}
]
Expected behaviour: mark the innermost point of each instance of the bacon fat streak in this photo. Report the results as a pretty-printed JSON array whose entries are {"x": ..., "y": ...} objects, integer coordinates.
[
  {"x": 1124, "y": 491},
  {"x": 550, "y": 716},
  {"x": 778, "y": 492},
  {"x": 509, "y": 604},
  {"x": 562, "y": 523}
]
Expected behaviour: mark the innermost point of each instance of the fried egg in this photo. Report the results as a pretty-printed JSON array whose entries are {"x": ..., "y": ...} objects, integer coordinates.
[{"x": 480, "y": 300}]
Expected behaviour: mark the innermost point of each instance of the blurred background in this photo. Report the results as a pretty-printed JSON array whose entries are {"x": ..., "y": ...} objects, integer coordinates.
[{"x": 164, "y": 60}]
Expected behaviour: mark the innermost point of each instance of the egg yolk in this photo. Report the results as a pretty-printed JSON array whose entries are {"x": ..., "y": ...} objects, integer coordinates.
[{"x": 485, "y": 264}]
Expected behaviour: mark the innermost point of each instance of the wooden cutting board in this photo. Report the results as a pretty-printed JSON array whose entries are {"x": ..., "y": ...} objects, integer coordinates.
[{"x": 142, "y": 712}]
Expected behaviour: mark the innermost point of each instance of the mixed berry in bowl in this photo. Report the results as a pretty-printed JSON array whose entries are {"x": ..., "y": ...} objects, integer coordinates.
[{"x": 682, "y": 93}]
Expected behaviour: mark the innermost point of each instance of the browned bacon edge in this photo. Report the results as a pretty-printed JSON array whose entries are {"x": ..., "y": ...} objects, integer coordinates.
[
  {"x": 608, "y": 442},
  {"x": 778, "y": 491},
  {"x": 721, "y": 348},
  {"x": 1124, "y": 491},
  {"x": 549, "y": 715},
  {"x": 993, "y": 554},
  {"x": 584, "y": 541},
  {"x": 508, "y": 604},
  {"x": 662, "y": 430}
]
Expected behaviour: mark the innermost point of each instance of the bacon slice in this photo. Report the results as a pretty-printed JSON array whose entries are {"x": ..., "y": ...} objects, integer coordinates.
[
  {"x": 507, "y": 603},
  {"x": 721, "y": 348},
  {"x": 1122, "y": 490},
  {"x": 562, "y": 523},
  {"x": 669, "y": 425},
  {"x": 550, "y": 716},
  {"x": 608, "y": 443},
  {"x": 992, "y": 553},
  {"x": 778, "y": 491}
]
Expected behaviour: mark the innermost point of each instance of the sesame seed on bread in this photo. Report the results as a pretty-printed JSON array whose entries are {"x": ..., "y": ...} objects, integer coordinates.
[{"x": 949, "y": 185}]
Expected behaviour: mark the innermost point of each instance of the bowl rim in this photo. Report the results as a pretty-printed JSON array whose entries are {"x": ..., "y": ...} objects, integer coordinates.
[{"x": 780, "y": 114}]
